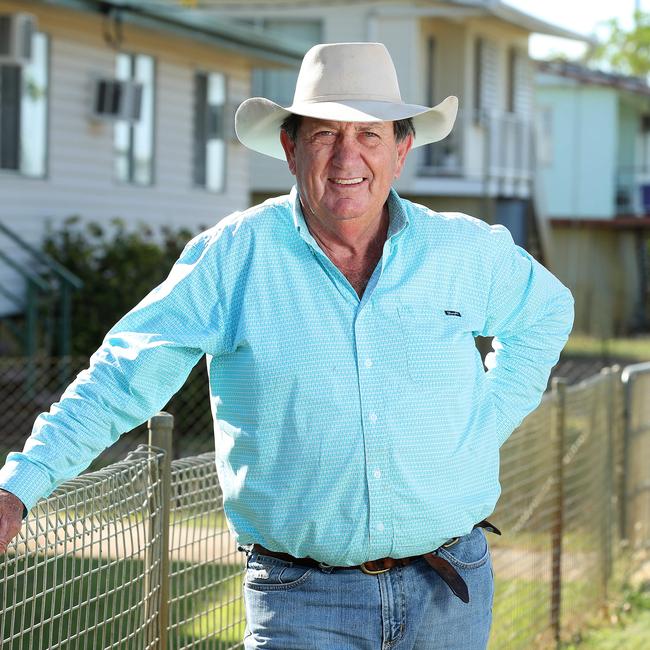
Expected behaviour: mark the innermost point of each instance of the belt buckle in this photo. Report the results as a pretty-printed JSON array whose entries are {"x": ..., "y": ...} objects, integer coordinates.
[{"x": 370, "y": 572}]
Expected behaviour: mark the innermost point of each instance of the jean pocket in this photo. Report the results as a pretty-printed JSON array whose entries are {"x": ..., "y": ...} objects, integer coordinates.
[
  {"x": 470, "y": 552},
  {"x": 265, "y": 573}
]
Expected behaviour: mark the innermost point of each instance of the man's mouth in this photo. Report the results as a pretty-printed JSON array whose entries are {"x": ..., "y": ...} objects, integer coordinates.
[{"x": 347, "y": 181}]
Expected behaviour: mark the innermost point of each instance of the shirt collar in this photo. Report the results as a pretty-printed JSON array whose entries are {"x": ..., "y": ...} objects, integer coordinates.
[{"x": 398, "y": 219}]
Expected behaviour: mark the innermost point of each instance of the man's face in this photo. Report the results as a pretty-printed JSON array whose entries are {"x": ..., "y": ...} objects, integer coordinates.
[{"x": 344, "y": 170}]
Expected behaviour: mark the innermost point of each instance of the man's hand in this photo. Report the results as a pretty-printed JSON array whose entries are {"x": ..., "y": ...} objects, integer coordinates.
[{"x": 11, "y": 517}]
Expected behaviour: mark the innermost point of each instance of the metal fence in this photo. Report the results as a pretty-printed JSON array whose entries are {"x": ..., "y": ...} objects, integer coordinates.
[
  {"x": 138, "y": 555},
  {"x": 28, "y": 386}
]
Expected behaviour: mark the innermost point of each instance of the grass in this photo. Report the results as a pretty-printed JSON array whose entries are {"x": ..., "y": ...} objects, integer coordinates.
[
  {"x": 632, "y": 348},
  {"x": 628, "y": 629},
  {"x": 521, "y": 613},
  {"x": 103, "y": 606}
]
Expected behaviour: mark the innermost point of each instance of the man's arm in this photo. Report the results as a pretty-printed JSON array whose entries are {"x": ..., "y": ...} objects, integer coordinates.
[
  {"x": 530, "y": 314},
  {"x": 144, "y": 359}
]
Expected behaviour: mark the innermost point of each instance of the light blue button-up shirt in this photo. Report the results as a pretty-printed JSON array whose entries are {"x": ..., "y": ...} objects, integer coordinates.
[{"x": 346, "y": 429}]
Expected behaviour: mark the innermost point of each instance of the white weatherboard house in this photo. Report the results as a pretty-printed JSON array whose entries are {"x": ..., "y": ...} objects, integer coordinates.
[
  {"x": 119, "y": 111},
  {"x": 594, "y": 172},
  {"x": 477, "y": 50}
]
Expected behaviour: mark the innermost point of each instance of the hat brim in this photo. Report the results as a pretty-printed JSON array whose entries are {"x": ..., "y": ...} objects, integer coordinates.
[{"x": 258, "y": 120}]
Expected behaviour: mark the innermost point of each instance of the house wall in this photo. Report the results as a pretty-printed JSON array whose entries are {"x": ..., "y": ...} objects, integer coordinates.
[
  {"x": 600, "y": 268},
  {"x": 579, "y": 180},
  {"x": 80, "y": 177}
]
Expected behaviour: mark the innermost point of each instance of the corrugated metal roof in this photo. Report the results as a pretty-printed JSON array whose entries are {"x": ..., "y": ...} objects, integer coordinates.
[
  {"x": 585, "y": 75},
  {"x": 496, "y": 8}
]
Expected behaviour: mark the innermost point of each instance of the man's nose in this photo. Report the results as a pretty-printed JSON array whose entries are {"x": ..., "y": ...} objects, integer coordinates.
[{"x": 346, "y": 149}]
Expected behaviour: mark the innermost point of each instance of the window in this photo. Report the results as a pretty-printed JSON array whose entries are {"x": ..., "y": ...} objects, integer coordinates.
[
  {"x": 485, "y": 77},
  {"x": 133, "y": 142},
  {"x": 209, "y": 130},
  {"x": 279, "y": 85},
  {"x": 519, "y": 82},
  {"x": 23, "y": 112}
]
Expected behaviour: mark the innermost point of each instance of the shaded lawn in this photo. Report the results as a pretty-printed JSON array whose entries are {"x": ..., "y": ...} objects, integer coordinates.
[
  {"x": 628, "y": 628},
  {"x": 521, "y": 613},
  {"x": 633, "y": 348}
]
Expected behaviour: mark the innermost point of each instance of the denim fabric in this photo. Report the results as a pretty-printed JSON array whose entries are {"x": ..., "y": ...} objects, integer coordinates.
[{"x": 292, "y": 607}]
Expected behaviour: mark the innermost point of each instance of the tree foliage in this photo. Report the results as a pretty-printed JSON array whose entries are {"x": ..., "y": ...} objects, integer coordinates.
[
  {"x": 625, "y": 51},
  {"x": 118, "y": 266}
]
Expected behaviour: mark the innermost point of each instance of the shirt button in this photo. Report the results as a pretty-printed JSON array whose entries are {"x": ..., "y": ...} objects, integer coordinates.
[
  {"x": 373, "y": 417},
  {"x": 377, "y": 473},
  {"x": 380, "y": 527},
  {"x": 368, "y": 363}
]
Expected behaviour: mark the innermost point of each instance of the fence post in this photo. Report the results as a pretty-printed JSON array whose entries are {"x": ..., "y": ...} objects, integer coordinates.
[
  {"x": 627, "y": 379},
  {"x": 559, "y": 391},
  {"x": 161, "y": 427},
  {"x": 611, "y": 385}
]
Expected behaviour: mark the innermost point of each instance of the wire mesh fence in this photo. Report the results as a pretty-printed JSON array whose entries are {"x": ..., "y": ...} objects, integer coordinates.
[
  {"x": 84, "y": 572},
  {"x": 28, "y": 386},
  {"x": 138, "y": 555}
]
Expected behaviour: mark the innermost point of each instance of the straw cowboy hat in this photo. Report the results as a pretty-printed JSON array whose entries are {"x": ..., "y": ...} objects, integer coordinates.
[{"x": 346, "y": 82}]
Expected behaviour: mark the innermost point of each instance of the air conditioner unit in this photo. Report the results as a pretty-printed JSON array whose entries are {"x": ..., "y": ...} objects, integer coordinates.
[
  {"x": 16, "y": 31},
  {"x": 118, "y": 100}
]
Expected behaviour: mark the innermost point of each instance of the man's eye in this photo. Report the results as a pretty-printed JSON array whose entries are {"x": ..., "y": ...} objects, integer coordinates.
[
  {"x": 321, "y": 134},
  {"x": 371, "y": 134}
]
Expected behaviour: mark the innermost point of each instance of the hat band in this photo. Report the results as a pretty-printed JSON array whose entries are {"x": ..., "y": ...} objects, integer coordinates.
[{"x": 393, "y": 99}]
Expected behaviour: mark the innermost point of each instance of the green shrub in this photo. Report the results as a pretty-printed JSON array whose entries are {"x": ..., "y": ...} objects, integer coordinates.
[{"x": 118, "y": 266}]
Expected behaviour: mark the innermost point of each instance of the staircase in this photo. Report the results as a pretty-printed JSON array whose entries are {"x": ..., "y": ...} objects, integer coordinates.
[{"x": 45, "y": 304}]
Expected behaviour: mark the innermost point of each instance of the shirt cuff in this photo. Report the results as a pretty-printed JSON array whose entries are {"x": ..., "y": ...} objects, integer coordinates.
[{"x": 26, "y": 481}]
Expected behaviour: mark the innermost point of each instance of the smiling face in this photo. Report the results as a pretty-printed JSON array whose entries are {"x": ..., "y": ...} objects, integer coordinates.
[{"x": 344, "y": 170}]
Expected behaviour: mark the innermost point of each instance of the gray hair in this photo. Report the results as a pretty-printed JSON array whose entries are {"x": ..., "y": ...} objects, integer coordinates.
[{"x": 401, "y": 128}]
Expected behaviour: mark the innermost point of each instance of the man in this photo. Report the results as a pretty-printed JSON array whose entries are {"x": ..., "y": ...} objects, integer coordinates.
[{"x": 357, "y": 434}]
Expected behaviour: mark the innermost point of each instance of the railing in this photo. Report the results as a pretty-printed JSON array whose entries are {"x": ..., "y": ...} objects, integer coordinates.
[
  {"x": 55, "y": 276},
  {"x": 139, "y": 555},
  {"x": 633, "y": 190},
  {"x": 494, "y": 148},
  {"x": 447, "y": 157},
  {"x": 509, "y": 142}
]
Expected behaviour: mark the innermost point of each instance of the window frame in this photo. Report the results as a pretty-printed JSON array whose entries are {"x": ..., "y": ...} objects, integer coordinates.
[
  {"x": 18, "y": 173},
  {"x": 130, "y": 182},
  {"x": 224, "y": 174}
]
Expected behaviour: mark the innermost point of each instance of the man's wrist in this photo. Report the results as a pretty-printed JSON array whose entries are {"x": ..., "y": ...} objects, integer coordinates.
[{"x": 10, "y": 498}]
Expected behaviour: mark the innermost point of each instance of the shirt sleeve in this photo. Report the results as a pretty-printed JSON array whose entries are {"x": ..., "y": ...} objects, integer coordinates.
[
  {"x": 144, "y": 359},
  {"x": 530, "y": 314}
]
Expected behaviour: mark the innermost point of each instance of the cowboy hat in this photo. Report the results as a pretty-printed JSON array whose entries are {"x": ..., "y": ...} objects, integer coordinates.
[{"x": 346, "y": 82}]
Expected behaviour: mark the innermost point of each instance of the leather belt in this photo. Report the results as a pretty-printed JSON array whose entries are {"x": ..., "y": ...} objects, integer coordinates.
[{"x": 374, "y": 567}]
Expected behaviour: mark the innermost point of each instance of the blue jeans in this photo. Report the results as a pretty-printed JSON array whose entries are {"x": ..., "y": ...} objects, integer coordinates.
[{"x": 293, "y": 607}]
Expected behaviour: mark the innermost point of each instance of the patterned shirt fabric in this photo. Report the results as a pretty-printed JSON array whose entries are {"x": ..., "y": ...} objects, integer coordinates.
[{"x": 346, "y": 429}]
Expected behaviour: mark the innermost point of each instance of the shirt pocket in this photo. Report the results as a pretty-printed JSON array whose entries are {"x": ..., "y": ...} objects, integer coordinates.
[{"x": 435, "y": 339}]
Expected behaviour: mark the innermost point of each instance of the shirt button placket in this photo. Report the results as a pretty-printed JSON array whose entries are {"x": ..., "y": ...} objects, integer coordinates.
[{"x": 369, "y": 389}]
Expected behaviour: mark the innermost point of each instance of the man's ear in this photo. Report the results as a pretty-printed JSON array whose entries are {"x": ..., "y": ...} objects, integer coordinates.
[
  {"x": 403, "y": 147},
  {"x": 289, "y": 147}
]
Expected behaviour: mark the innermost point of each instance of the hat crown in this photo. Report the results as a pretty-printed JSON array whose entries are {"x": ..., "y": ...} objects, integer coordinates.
[{"x": 337, "y": 71}]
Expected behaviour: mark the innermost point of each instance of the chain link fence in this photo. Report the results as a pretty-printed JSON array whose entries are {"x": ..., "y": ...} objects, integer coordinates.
[{"x": 138, "y": 555}]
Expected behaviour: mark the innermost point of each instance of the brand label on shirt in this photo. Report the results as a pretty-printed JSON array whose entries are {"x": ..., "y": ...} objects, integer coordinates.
[{"x": 449, "y": 312}]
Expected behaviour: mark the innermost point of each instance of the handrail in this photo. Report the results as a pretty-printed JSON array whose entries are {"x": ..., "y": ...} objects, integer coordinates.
[
  {"x": 60, "y": 270},
  {"x": 28, "y": 275},
  {"x": 65, "y": 279}
]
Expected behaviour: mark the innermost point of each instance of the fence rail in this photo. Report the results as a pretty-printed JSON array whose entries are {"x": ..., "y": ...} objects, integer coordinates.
[{"x": 139, "y": 555}]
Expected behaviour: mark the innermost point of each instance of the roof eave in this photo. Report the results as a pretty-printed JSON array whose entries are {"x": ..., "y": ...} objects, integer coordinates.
[
  {"x": 535, "y": 25},
  {"x": 258, "y": 46}
]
